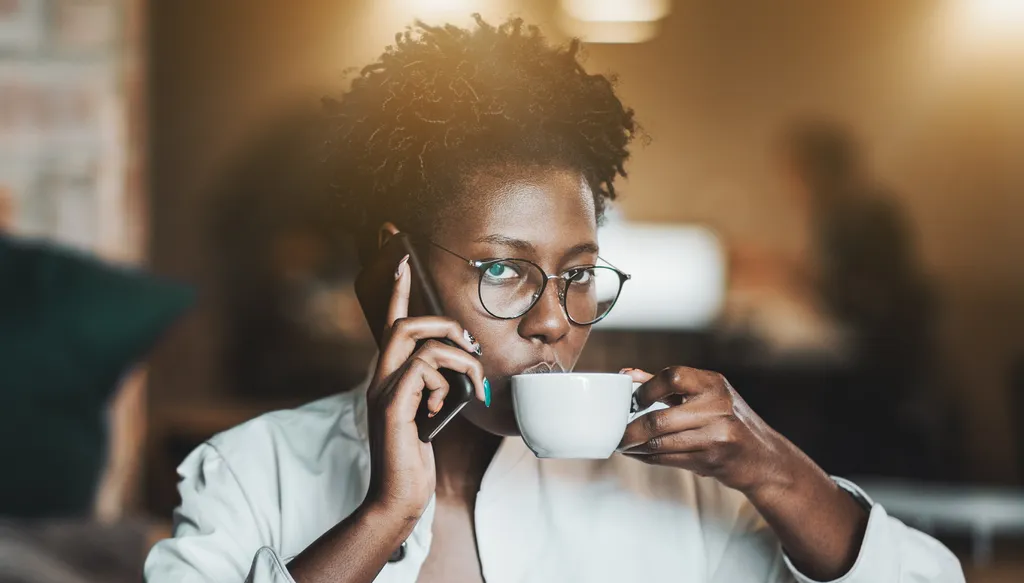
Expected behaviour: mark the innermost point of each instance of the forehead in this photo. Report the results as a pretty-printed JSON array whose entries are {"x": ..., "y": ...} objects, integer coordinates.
[{"x": 551, "y": 208}]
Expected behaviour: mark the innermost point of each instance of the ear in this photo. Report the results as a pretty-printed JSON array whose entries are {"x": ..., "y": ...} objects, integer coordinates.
[{"x": 384, "y": 234}]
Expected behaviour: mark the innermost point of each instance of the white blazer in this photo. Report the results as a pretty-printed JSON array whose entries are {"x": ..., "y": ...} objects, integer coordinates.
[{"x": 255, "y": 496}]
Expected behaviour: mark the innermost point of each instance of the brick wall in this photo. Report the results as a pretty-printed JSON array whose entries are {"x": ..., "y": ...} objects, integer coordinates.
[{"x": 70, "y": 122}]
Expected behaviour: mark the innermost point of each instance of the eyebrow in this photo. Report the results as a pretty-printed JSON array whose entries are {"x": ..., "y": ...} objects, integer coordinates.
[
  {"x": 581, "y": 249},
  {"x": 504, "y": 241},
  {"x": 521, "y": 245}
]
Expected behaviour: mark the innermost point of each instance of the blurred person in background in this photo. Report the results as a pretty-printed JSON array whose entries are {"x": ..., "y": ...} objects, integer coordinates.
[
  {"x": 490, "y": 142},
  {"x": 74, "y": 332},
  {"x": 867, "y": 275},
  {"x": 865, "y": 262},
  {"x": 283, "y": 267}
]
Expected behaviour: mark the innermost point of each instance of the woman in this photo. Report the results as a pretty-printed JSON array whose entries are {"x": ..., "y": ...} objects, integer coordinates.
[{"x": 492, "y": 144}]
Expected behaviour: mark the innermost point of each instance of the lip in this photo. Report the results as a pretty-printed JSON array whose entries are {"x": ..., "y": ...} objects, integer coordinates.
[{"x": 544, "y": 367}]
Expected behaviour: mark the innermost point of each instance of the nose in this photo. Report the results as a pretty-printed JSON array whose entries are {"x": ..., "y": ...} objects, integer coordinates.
[{"x": 546, "y": 321}]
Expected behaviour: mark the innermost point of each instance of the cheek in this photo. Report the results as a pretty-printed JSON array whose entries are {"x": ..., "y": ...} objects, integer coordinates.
[
  {"x": 498, "y": 339},
  {"x": 500, "y": 342},
  {"x": 467, "y": 310},
  {"x": 458, "y": 295},
  {"x": 573, "y": 347}
]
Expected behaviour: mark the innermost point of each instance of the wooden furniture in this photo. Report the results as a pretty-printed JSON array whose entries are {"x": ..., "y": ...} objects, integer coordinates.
[{"x": 983, "y": 513}]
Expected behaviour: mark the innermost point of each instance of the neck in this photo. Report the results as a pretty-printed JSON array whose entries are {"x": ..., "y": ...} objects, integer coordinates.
[{"x": 462, "y": 452}]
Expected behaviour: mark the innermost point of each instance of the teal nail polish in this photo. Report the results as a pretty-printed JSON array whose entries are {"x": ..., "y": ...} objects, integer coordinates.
[{"x": 487, "y": 393}]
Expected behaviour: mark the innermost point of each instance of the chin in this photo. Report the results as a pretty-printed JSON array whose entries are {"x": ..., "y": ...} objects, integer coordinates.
[{"x": 496, "y": 420}]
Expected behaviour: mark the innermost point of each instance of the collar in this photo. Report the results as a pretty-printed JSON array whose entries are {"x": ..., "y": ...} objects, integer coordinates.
[{"x": 359, "y": 407}]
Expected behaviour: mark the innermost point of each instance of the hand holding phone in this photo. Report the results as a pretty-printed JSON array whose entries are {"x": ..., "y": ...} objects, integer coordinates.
[
  {"x": 419, "y": 355},
  {"x": 408, "y": 380},
  {"x": 419, "y": 301},
  {"x": 402, "y": 471}
]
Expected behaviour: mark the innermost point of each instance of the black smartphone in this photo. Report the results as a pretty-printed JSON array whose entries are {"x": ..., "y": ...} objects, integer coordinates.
[{"x": 374, "y": 286}]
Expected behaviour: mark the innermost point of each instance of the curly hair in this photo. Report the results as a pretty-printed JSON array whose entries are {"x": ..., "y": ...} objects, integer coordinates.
[{"x": 445, "y": 100}]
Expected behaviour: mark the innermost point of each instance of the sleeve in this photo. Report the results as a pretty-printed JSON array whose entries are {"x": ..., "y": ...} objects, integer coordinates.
[
  {"x": 890, "y": 551},
  {"x": 216, "y": 535}
]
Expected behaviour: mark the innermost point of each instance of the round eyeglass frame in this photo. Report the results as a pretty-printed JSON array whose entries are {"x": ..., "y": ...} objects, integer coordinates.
[
  {"x": 565, "y": 276},
  {"x": 481, "y": 266}
]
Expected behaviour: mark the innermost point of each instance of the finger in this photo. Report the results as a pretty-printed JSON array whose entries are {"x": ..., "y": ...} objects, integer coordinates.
[
  {"x": 405, "y": 333},
  {"x": 689, "y": 461},
  {"x": 685, "y": 441},
  {"x": 663, "y": 422},
  {"x": 438, "y": 386},
  {"x": 440, "y": 355},
  {"x": 702, "y": 463},
  {"x": 638, "y": 375},
  {"x": 677, "y": 381},
  {"x": 398, "y": 306},
  {"x": 408, "y": 391}
]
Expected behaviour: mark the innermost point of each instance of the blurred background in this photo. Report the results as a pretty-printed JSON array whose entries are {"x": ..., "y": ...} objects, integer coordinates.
[{"x": 837, "y": 189}]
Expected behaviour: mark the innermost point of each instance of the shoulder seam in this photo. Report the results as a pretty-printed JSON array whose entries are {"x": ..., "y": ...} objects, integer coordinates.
[{"x": 234, "y": 476}]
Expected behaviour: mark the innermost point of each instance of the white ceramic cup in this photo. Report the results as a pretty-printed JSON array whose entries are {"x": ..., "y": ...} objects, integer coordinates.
[{"x": 577, "y": 415}]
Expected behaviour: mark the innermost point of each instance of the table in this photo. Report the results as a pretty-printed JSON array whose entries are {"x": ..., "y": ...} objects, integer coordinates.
[{"x": 981, "y": 512}]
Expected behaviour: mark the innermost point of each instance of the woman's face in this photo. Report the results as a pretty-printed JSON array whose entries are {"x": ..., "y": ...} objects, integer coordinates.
[{"x": 545, "y": 215}]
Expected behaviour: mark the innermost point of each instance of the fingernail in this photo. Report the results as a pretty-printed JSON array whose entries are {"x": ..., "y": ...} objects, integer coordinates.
[
  {"x": 401, "y": 267},
  {"x": 487, "y": 392},
  {"x": 626, "y": 370},
  {"x": 472, "y": 341}
]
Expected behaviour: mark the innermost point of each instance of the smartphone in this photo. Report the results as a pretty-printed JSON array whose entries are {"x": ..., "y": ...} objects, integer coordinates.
[{"x": 374, "y": 286}]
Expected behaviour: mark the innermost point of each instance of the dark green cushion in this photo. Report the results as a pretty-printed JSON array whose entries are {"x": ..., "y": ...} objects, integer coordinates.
[{"x": 70, "y": 328}]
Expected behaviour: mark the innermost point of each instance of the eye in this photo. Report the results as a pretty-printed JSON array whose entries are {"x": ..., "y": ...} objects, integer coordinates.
[
  {"x": 501, "y": 271},
  {"x": 582, "y": 275}
]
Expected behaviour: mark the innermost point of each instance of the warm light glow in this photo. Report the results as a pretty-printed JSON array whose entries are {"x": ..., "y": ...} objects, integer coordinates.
[
  {"x": 454, "y": 11},
  {"x": 610, "y": 32},
  {"x": 434, "y": 6},
  {"x": 678, "y": 275},
  {"x": 617, "y": 10},
  {"x": 988, "y": 28},
  {"x": 613, "y": 21},
  {"x": 994, "y": 16}
]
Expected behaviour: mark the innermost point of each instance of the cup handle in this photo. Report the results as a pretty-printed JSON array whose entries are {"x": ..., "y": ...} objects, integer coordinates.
[{"x": 634, "y": 406}]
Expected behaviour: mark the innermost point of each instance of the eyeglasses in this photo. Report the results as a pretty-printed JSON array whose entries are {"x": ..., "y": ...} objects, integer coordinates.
[{"x": 509, "y": 288}]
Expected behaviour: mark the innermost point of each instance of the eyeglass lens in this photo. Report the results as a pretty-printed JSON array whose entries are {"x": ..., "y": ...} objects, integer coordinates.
[{"x": 509, "y": 288}]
